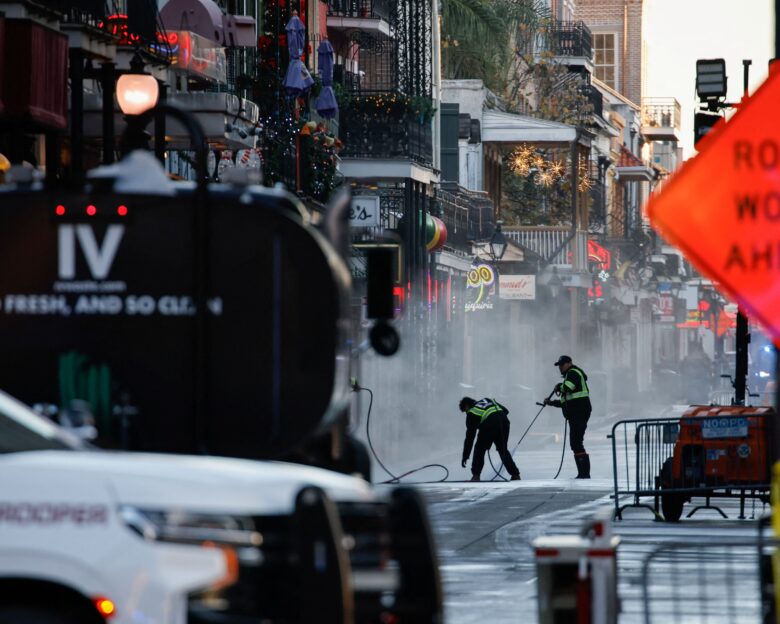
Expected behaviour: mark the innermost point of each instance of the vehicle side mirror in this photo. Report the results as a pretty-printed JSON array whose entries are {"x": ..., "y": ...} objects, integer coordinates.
[
  {"x": 380, "y": 304},
  {"x": 379, "y": 290}
]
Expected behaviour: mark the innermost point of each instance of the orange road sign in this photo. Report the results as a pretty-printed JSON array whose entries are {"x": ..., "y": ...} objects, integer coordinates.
[{"x": 722, "y": 208}]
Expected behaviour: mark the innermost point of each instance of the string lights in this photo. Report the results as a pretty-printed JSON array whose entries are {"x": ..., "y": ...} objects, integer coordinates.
[
  {"x": 585, "y": 182},
  {"x": 525, "y": 161}
]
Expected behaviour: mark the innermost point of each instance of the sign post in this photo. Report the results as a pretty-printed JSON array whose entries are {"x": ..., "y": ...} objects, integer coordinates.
[{"x": 722, "y": 209}]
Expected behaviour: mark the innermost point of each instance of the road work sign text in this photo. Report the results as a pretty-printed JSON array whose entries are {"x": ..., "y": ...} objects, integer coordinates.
[{"x": 722, "y": 208}]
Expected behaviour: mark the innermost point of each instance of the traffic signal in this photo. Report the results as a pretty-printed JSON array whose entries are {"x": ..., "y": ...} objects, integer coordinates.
[{"x": 702, "y": 124}]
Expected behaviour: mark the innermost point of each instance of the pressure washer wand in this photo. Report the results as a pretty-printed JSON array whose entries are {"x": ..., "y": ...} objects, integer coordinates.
[{"x": 522, "y": 437}]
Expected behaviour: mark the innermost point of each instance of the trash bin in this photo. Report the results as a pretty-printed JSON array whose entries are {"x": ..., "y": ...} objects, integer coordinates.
[{"x": 577, "y": 575}]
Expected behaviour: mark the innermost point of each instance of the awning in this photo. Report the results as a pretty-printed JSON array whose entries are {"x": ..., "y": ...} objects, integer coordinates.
[
  {"x": 631, "y": 168},
  {"x": 499, "y": 127},
  {"x": 34, "y": 81},
  {"x": 216, "y": 112},
  {"x": 635, "y": 174}
]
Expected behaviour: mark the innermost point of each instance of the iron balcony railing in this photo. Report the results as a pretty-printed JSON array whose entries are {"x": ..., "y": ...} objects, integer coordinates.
[
  {"x": 661, "y": 113},
  {"x": 368, "y": 9},
  {"x": 544, "y": 241},
  {"x": 387, "y": 136},
  {"x": 347, "y": 79},
  {"x": 595, "y": 99},
  {"x": 468, "y": 215},
  {"x": 571, "y": 39}
]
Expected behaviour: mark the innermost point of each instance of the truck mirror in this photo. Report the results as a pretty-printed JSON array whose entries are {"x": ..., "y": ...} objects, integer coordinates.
[
  {"x": 384, "y": 338},
  {"x": 379, "y": 287}
]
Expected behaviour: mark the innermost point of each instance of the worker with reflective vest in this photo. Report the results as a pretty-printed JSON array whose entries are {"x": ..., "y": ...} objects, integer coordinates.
[
  {"x": 575, "y": 403},
  {"x": 490, "y": 419}
]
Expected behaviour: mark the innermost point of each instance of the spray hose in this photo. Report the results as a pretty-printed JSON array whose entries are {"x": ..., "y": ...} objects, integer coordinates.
[
  {"x": 397, "y": 478},
  {"x": 393, "y": 478},
  {"x": 543, "y": 404}
]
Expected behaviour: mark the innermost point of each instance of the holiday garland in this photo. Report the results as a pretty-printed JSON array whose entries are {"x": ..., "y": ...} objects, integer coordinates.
[{"x": 382, "y": 106}]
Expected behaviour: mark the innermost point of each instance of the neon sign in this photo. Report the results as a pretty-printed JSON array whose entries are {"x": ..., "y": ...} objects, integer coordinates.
[
  {"x": 483, "y": 277},
  {"x": 116, "y": 25}
]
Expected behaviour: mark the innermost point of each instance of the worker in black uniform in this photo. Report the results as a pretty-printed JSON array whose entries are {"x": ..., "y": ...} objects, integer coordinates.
[
  {"x": 575, "y": 403},
  {"x": 489, "y": 418}
]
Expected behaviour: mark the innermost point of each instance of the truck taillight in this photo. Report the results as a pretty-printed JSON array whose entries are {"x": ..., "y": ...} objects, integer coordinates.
[
  {"x": 59, "y": 210},
  {"x": 91, "y": 210},
  {"x": 122, "y": 211}
]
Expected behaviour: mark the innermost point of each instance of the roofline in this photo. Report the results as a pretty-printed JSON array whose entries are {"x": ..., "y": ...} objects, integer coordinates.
[{"x": 610, "y": 91}]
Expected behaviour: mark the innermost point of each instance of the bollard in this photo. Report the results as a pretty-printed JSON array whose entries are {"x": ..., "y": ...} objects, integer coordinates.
[{"x": 577, "y": 575}]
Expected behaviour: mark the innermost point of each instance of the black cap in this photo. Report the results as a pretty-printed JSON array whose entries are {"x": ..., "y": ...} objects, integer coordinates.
[{"x": 562, "y": 360}]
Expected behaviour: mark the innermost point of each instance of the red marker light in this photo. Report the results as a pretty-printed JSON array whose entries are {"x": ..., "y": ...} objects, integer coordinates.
[
  {"x": 91, "y": 210},
  {"x": 122, "y": 211},
  {"x": 105, "y": 607},
  {"x": 59, "y": 210}
]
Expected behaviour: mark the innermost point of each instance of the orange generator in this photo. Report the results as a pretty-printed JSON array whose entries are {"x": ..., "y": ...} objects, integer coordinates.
[{"x": 717, "y": 448}]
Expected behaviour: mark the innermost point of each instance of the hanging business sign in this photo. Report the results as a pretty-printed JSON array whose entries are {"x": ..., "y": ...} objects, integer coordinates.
[
  {"x": 517, "y": 287},
  {"x": 364, "y": 211},
  {"x": 480, "y": 288}
]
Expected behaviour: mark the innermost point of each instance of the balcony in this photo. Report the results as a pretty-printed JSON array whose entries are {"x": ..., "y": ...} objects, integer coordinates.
[
  {"x": 661, "y": 119},
  {"x": 347, "y": 79},
  {"x": 572, "y": 44},
  {"x": 385, "y": 137},
  {"x": 468, "y": 215},
  {"x": 595, "y": 99},
  {"x": 360, "y": 15}
]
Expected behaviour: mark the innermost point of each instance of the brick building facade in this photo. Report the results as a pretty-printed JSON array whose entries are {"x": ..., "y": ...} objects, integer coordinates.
[
  {"x": 617, "y": 42},
  {"x": 562, "y": 9}
]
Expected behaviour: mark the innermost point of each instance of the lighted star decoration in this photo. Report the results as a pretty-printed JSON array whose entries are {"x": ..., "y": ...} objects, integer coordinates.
[
  {"x": 525, "y": 161},
  {"x": 583, "y": 174},
  {"x": 544, "y": 178}
]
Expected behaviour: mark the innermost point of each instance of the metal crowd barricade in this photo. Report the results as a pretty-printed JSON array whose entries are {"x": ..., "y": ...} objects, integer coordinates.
[
  {"x": 639, "y": 449},
  {"x": 713, "y": 581},
  {"x": 722, "y": 397},
  {"x": 714, "y": 459}
]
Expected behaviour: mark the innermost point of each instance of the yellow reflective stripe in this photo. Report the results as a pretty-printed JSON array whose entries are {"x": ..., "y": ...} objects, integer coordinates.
[
  {"x": 568, "y": 396},
  {"x": 484, "y": 413}
]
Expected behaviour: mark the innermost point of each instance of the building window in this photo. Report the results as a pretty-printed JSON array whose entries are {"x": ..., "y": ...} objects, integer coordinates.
[{"x": 606, "y": 61}]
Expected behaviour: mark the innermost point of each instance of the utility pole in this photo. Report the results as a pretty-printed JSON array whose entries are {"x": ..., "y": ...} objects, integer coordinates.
[{"x": 743, "y": 335}]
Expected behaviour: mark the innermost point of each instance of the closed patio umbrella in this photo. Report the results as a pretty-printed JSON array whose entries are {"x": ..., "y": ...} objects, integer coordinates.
[
  {"x": 326, "y": 104},
  {"x": 298, "y": 80}
]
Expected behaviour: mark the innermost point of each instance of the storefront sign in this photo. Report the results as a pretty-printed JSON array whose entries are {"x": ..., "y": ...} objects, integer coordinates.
[
  {"x": 518, "y": 287},
  {"x": 663, "y": 308},
  {"x": 198, "y": 56},
  {"x": 364, "y": 211},
  {"x": 480, "y": 288}
]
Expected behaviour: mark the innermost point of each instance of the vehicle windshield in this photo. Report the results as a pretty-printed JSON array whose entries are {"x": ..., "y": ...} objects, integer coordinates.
[{"x": 21, "y": 429}]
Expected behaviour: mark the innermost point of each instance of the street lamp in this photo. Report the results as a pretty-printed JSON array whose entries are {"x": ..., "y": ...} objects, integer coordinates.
[
  {"x": 137, "y": 91},
  {"x": 498, "y": 243}
]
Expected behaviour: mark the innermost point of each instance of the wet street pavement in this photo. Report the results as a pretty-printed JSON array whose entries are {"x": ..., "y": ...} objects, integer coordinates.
[{"x": 484, "y": 533}]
